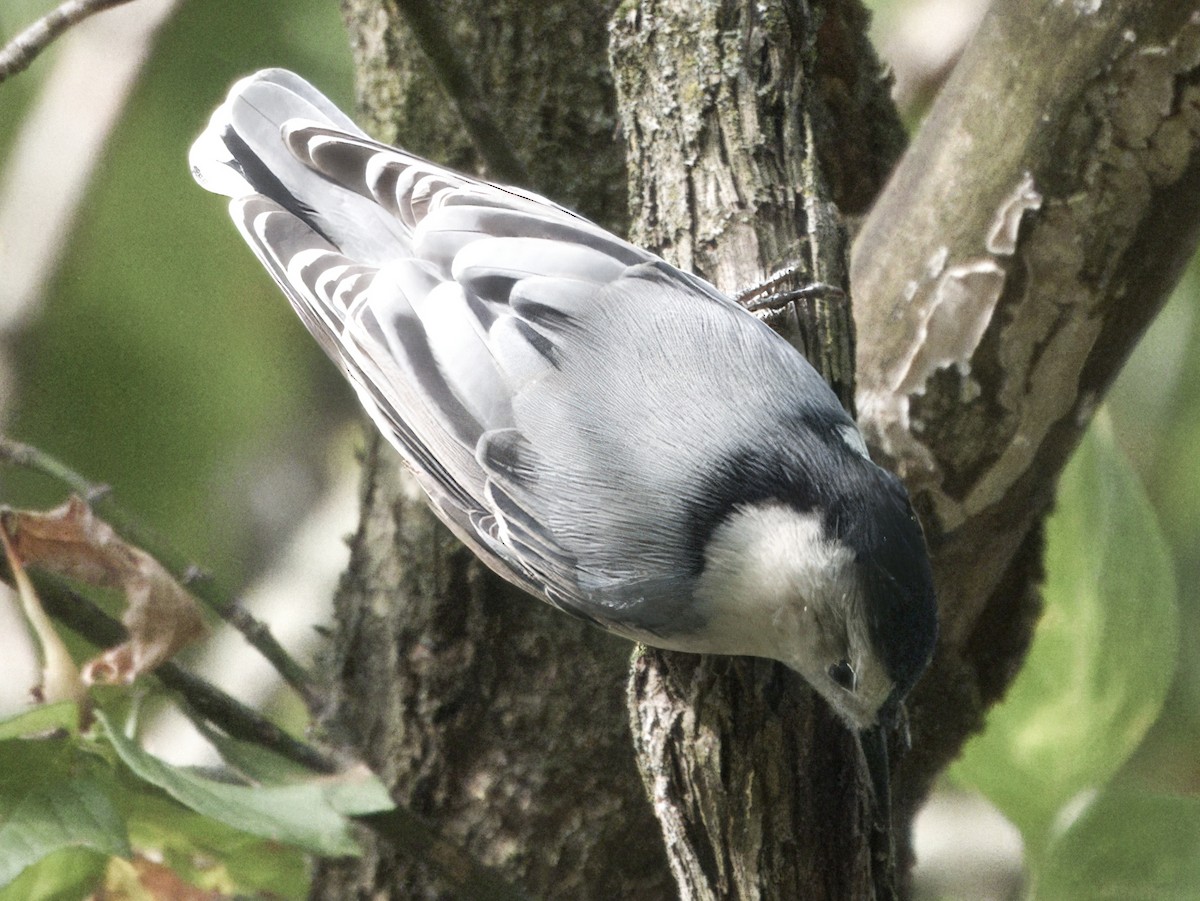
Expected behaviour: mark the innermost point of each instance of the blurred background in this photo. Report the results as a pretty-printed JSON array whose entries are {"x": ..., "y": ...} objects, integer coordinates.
[
  {"x": 142, "y": 344},
  {"x": 139, "y": 341}
]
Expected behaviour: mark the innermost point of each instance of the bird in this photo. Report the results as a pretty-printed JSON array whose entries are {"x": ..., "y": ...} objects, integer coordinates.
[{"x": 604, "y": 430}]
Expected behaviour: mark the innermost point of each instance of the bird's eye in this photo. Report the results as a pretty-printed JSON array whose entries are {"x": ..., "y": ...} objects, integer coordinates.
[{"x": 842, "y": 673}]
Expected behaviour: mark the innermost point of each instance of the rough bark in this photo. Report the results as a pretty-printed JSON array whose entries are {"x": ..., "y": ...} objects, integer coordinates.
[
  {"x": 730, "y": 119},
  {"x": 494, "y": 716},
  {"x": 1044, "y": 211}
]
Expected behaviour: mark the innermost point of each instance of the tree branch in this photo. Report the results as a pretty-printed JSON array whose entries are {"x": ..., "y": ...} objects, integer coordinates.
[
  {"x": 1044, "y": 211},
  {"x": 85, "y": 618},
  {"x": 18, "y": 54},
  {"x": 204, "y": 587},
  {"x": 492, "y": 142}
]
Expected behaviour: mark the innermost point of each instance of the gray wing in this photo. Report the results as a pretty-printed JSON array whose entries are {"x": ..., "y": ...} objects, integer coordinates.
[{"x": 555, "y": 389}]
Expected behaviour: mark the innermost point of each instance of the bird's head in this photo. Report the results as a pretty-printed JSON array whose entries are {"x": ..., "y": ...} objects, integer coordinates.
[{"x": 834, "y": 582}]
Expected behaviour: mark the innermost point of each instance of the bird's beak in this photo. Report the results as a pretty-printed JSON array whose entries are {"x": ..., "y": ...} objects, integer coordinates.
[
  {"x": 892, "y": 717},
  {"x": 874, "y": 742}
]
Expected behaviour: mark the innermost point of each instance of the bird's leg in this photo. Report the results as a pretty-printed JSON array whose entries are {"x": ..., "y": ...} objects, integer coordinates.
[
  {"x": 813, "y": 317},
  {"x": 784, "y": 287}
]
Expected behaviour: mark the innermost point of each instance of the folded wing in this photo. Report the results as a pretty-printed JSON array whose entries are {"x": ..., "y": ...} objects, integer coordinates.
[{"x": 503, "y": 344}]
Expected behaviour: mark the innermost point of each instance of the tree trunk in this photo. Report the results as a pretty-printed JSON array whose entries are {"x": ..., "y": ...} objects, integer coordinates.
[{"x": 727, "y": 109}]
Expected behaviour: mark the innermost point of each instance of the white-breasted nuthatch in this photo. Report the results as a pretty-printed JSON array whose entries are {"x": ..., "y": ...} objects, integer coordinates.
[{"x": 602, "y": 429}]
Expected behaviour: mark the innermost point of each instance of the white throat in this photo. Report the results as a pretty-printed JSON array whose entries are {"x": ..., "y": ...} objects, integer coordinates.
[{"x": 772, "y": 581}]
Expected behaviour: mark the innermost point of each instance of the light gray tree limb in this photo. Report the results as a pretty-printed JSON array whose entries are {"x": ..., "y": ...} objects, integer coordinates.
[
  {"x": 1047, "y": 206},
  {"x": 20, "y": 52}
]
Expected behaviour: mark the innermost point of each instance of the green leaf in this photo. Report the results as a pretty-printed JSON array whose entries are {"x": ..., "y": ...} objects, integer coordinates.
[
  {"x": 356, "y": 792},
  {"x": 52, "y": 797},
  {"x": 208, "y": 853},
  {"x": 300, "y": 814},
  {"x": 41, "y": 719},
  {"x": 1103, "y": 655},
  {"x": 66, "y": 875},
  {"x": 255, "y": 762},
  {"x": 1127, "y": 845}
]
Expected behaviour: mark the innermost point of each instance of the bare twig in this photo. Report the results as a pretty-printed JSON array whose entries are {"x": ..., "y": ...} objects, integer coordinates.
[
  {"x": 206, "y": 589},
  {"x": 17, "y": 55},
  {"x": 427, "y": 25},
  {"x": 85, "y": 618}
]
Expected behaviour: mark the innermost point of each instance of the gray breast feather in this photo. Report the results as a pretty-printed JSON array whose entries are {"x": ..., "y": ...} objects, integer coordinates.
[{"x": 556, "y": 390}]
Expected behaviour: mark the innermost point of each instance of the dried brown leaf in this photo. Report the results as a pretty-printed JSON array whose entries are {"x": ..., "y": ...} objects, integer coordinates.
[
  {"x": 142, "y": 878},
  {"x": 160, "y": 614}
]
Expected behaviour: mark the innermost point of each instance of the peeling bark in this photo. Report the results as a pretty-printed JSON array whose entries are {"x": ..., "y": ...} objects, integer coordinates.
[{"x": 1036, "y": 226}]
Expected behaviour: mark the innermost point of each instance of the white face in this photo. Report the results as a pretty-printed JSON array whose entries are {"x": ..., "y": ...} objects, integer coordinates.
[{"x": 773, "y": 586}]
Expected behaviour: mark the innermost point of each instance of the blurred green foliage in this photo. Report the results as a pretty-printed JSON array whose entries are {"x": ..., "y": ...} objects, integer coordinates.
[
  {"x": 69, "y": 802},
  {"x": 1127, "y": 845},
  {"x": 54, "y": 797},
  {"x": 1156, "y": 417},
  {"x": 164, "y": 362},
  {"x": 1093, "y": 754},
  {"x": 1103, "y": 657}
]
